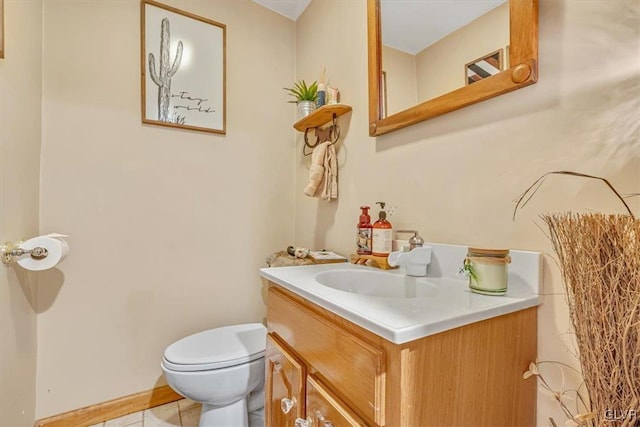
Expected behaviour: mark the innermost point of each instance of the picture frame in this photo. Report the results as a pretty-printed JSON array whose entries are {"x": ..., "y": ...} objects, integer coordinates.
[
  {"x": 483, "y": 67},
  {"x": 507, "y": 60},
  {"x": 1, "y": 28},
  {"x": 183, "y": 69}
]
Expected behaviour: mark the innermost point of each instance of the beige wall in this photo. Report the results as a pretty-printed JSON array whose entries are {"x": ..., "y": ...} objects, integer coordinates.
[
  {"x": 168, "y": 228},
  {"x": 440, "y": 68},
  {"x": 454, "y": 177},
  {"x": 400, "y": 69},
  {"x": 20, "y": 118}
]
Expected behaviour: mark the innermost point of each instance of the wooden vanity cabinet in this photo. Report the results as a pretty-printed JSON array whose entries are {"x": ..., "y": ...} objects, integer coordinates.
[
  {"x": 324, "y": 409},
  {"x": 285, "y": 377},
  {"x": 468, "y": 376}
]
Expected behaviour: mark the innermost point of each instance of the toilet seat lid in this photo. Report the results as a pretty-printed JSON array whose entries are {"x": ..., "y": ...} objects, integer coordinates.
[{"x": 217, "y": 348}]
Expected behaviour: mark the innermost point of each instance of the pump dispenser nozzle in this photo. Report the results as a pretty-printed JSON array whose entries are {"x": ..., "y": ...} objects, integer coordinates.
[
  {"x": 364, "y": 216},
  {"x": 382, "y": 214}
]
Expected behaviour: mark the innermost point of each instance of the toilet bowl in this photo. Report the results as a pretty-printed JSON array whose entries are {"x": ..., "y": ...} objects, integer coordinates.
[{"x": 221, "y": 368}]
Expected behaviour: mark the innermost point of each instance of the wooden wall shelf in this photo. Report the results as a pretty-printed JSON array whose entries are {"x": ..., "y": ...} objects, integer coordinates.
[{"x": 321, "y": 116}]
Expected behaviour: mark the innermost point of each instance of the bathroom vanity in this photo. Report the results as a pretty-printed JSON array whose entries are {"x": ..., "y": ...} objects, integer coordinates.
[{"x": 430, "y": 353}]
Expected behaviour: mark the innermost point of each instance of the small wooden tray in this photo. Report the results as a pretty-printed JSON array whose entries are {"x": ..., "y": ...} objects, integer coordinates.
[
  {"x": 372, "y": 261},
  {"x": 326, "y": 257}
]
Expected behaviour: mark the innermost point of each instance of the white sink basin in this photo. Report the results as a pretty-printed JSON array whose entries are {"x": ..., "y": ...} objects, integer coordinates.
[
  {"x": 377, "y": 284},
  {"x": 400, "y": 308}
]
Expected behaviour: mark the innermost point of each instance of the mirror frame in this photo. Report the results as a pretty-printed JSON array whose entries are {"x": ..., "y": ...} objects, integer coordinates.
[{"x": 523, "y": 71}]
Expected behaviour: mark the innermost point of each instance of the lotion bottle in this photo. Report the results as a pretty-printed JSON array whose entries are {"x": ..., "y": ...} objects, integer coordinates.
[
  {"x": 382, "y": 234},
  {"x": 364, "y": 232},
  {"x": 321, "y": 95},
  {"x": 321, "y": 100}
]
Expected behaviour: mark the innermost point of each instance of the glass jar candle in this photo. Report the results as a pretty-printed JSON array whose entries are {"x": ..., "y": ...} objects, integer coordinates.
[{"x": 487, "y": 270}]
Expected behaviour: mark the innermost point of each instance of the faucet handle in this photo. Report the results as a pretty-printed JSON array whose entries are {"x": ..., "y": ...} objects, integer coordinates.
[{"x": 415, "y": 241}]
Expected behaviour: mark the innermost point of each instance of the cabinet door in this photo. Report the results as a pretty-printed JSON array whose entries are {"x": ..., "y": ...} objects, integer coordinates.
[
  {"x": 284, "y": 385},
  {"x": 324, "y": 409},
  {"x": 353, "y": 367}
]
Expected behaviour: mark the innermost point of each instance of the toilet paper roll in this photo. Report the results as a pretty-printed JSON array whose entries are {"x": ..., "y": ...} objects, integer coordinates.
[{"x": 54, "y": 243}]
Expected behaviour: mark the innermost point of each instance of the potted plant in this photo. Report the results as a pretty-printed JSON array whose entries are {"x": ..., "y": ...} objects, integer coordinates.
[{"x": 305, "y": 96}]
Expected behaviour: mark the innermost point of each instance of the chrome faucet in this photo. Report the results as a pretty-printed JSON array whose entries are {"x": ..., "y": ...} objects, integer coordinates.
[{"x": 415, "y": 241}]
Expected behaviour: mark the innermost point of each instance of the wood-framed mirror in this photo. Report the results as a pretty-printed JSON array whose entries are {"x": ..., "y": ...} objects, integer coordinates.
[{"x": 508, "y": 66}]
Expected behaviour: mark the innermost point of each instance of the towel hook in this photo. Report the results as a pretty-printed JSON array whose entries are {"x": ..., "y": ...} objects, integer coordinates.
[{"x": 331, "y": 133}]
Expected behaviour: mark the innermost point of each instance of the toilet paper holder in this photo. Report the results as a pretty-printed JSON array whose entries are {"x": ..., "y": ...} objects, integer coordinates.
[{"x": 10, "y": 250}]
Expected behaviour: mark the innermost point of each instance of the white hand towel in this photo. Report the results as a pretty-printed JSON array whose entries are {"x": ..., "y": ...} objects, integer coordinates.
[
  {"x": 316, "y": 173},
  {"x": 330, "y": 179}
]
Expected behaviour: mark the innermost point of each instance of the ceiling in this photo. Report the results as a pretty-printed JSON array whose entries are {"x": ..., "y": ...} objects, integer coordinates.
[
  {"x": 408, "y": 25},
  {"x": 292, "y": 9}
]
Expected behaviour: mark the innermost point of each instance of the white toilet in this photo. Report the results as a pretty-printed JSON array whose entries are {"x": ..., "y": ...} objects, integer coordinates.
[{"x": 223, "y": 369}]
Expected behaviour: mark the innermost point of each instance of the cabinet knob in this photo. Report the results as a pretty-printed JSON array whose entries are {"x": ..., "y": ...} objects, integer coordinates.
[
  {"x": 323, "y": 421},
  {"x": 287, "y": 404},
  {"x": 302, "y": 422},
  {"x": 277, "y": 366}
]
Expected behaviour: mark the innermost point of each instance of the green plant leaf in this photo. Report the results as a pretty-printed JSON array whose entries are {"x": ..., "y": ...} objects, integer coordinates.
[{"x": 301, "y": 92}]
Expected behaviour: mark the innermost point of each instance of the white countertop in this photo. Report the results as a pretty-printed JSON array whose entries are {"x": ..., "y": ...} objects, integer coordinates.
[{"x": 449, "y": 303}]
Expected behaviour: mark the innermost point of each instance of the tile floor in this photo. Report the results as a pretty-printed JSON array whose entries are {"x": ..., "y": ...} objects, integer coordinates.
[{"x": 183, "y": 413}]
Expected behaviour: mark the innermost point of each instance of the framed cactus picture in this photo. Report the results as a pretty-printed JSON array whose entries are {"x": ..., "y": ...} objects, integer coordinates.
[{"x": 183, "y": 69}]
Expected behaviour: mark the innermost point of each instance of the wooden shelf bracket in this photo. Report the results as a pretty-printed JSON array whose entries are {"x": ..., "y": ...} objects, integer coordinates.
[{"x": 325, "y": 114}]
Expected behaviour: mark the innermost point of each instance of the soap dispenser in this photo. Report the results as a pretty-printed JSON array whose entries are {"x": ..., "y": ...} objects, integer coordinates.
[
  {"x": 382, "y": 234},
  {"x": 364, "y": 232}
]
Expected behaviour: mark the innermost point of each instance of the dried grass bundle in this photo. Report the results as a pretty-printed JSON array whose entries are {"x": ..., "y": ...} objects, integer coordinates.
[
  {"x": 599, "y": 256},
  {"x": 600, "y": 260}
]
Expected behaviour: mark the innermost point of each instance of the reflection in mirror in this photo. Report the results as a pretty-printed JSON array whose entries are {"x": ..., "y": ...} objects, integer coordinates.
[
  {"x": 430, "y": 48},
  {"x": 482, "y": 68},
  {"x": 416, "y": 74}
]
